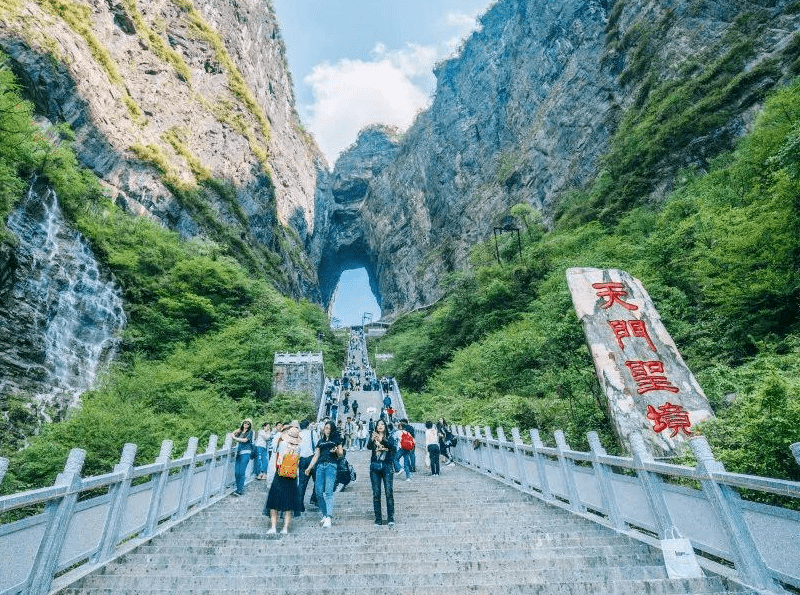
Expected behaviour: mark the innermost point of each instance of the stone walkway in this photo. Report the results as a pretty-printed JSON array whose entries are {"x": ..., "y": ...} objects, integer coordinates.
[{"x": 457, "y": 533}]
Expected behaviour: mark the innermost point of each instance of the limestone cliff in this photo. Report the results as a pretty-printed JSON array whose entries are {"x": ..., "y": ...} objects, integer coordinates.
[
  {"x": 528, "y": 108},
  {"x": 168, "y": 97},
  {"x": 185, "y": 112}
]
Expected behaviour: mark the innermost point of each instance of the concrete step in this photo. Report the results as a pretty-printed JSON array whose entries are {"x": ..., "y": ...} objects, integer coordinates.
[
  {"x": 313, "y": 540},
  {"x": 397, "y": 583},
  {"x": 131, "y": 563},
  {"x": 285, "y": 575}
]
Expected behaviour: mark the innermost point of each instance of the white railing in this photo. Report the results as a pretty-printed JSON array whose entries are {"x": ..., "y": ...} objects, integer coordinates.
[
  {"x": 642, "y": 498},
  {"x": 79, "y": 531}
]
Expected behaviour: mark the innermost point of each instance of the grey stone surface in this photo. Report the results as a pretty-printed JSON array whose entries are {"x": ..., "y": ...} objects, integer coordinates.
[{"x": 638, "y": 367}]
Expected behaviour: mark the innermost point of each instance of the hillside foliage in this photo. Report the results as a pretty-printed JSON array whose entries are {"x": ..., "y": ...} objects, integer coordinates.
[
  {"x": 202, "y": 328},
  {"x": 721, "y": 260}
]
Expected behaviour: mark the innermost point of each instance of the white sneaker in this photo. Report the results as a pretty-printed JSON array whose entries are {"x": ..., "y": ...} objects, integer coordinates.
[
  {"x": 326, "y": 522},
  {"x": 284, "y": 531},
  {"x": 271, "y": 531}
]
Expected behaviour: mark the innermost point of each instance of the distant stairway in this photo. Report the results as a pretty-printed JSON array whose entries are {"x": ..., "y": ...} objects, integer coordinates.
[{"x": 457, "y": 533}]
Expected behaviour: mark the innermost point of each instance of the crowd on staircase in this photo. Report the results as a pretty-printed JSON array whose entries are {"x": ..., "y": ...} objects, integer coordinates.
[{"x": 291, "y": 455}]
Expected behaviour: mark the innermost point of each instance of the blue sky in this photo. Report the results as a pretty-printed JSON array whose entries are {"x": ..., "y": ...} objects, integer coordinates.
[{"x": 361, "y": 62}]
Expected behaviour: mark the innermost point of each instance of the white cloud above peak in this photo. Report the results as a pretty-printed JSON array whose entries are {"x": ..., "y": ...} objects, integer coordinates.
[{"x": 391, "y": 88}]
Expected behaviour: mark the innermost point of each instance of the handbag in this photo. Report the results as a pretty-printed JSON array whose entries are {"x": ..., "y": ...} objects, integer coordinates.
[
  {"x": 289, "y": 464},
  {"x": 376, "y": 466}
]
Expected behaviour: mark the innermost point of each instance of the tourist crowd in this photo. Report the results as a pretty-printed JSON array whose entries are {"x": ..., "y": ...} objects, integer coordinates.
[{"x": 292, "y": 455}]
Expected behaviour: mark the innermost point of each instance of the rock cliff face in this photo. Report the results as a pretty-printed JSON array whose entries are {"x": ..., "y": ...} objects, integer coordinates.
[
  {"x": 169, "y": 94},
  {"x": 341, "y": 242},
  {"x": 526, "y": 111}
]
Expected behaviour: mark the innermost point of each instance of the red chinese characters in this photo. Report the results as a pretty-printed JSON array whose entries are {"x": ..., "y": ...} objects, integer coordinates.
[
  {"x": 613, "y": 291},
  {"x": 669, "y": 416},
  {"x": 630, "y": 328},
  {"x": 649, "y": 376}
]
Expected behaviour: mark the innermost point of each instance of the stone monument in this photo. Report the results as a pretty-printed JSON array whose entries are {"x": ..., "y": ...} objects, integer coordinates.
[{"x": 649, "y": 388}]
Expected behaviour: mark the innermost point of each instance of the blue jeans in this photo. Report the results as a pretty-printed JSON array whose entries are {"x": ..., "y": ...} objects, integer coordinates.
[
  {"x": 261, "y": 461},
  {"x": 239, "y": 470},
  {"x": 404, "y": 454},
  {"x": 387, "y": 477},
  {"x": 326, "y": 478}
]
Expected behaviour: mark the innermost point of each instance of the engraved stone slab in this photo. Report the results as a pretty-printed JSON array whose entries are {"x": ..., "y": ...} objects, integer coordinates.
[{"x": 647, "y": 384}]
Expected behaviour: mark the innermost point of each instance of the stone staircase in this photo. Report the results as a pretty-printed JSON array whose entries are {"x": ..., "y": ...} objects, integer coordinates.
[{"x": 457, "y": 533}]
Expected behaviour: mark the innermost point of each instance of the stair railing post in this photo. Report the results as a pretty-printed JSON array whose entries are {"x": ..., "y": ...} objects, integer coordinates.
[
  {"x": 210, "y": 464},
  {"x": 502, "y": 442},
  {"x": 603, "y": 474},
  {"x": 3, "y": 468},
  {"x": 119, "y": 499},
  {"x": 482, "y": 455},
  {"x": 491, "y": 467},
  {"x": 187, "y": 470},
  {"x": 795, "y": 451},
  {"x": 230, "y": 455},
  {"x": 568, "y": 469},
  {"x": 459, "y": 447},
  {"x": 726, "y": 503},
  {"x": 472, "y": 455},
  {"x": 159, "y": 482},
  {"x": 652, "y": 485},
  {"x": 540, "y": 459},
  {"x": 523, "y": 476},
  {"x": 60, "y": 513}
]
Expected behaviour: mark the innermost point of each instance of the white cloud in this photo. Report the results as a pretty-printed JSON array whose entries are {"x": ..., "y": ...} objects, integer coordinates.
[
  {"x": 463, "y": 20},
  {"x": 350, "y": 94},
  {"x": 390, "y": 88}
]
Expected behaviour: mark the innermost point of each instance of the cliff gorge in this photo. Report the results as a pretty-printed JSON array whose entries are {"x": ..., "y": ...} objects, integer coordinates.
[
  {"x": 531, "y": 104},
  {"x": 184, "y": 110}
]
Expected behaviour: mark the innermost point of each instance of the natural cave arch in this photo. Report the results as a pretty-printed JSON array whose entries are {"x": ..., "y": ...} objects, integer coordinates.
[{"x": 342, "y": 258}]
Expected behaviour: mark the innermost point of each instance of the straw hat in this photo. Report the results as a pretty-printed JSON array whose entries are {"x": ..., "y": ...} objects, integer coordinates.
[{"x": 293, "y": 435}]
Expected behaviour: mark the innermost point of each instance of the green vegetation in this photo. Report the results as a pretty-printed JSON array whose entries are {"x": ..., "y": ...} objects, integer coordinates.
[
  {"x": 202, "y": 328},
  {"x": 176, "y": 138},
  {"x": 671, "y": 112},
  {"x": 721, "y": 260}
]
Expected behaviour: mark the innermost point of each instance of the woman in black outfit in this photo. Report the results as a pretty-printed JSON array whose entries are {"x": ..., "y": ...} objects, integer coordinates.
[
  {"x": 445, "y": 437},
  {"x": 381, "y": 468}
]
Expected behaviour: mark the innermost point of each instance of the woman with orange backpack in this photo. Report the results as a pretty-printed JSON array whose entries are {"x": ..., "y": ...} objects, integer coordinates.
[{"x": 283, "y": 494}]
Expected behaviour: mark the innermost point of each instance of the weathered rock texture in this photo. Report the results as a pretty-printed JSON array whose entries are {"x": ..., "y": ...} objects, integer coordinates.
[
  {"x": 526, "y": 111},
  {"x": 648, "y": 387},
  {"x": 177, "y": 92}
]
